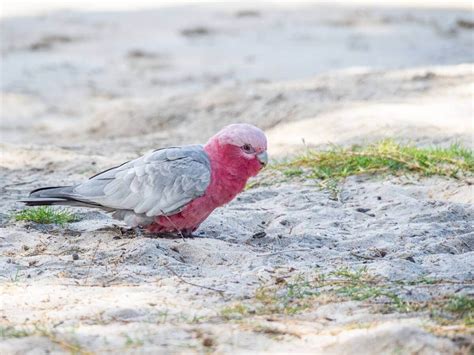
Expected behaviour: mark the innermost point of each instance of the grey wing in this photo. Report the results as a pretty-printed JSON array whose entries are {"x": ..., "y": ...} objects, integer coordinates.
[{"x": 161, "y": 182}]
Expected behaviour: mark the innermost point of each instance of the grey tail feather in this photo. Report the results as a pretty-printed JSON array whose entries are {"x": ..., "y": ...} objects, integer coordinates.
[
  {"x": 56, "y": 195},
  {"x": 52, "y": 191}
]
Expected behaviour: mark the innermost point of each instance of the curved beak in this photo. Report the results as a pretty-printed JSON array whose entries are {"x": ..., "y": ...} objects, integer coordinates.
[{"x": 263, "y": 158}]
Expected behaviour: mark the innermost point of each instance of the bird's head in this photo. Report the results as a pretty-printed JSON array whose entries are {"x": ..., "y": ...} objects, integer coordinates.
[{"x": 240, "y": 146}]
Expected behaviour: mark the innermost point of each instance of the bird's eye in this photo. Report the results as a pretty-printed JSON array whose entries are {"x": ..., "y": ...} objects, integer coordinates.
[{"x": 247, "y": 148}]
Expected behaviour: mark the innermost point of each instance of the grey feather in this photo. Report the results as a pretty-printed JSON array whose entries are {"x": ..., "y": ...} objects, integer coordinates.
[{"x": 161, "y": 182}]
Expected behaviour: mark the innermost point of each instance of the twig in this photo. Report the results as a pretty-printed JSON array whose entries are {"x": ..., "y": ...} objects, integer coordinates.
[
  {"x": 74, "y": 349},
  {"x": 92, "y": 261},
  {"x": 174, "y": 225},
  {"x": 18, "y": 183},
  {"x": 284, "y": 251},
  {"x": 363, "y": 256},
  {"x": 221, "y": 292}
]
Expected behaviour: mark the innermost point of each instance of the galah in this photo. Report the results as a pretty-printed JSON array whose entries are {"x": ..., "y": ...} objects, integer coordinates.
[{"x": 170, "y": 190}]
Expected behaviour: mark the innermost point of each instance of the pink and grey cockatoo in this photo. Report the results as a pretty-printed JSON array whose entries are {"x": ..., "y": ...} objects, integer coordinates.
[{"x": 171, "y": 189}]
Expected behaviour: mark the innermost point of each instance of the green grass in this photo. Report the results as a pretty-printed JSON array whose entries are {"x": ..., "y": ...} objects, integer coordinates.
[
  {"x": 300, "y": 293},
  {"x": 291, "y": 172},
  {"x": 237, "y": 310},
  {"x": 12, "y": 332},
  {"x": 46, "y": 215},
  {"x": 292, "y": 298},
  {"x": 358, "y": 285},
  {"x": 289, "y": 298},
  {"x": 133, "y": 342},
  {"x": 382, "y": 157},
  {"x": 462, "y": 307},
  {"x": 329, "y": 167}
]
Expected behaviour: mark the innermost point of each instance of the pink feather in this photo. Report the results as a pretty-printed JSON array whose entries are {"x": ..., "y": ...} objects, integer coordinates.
[{"x": 231, "y": 167}]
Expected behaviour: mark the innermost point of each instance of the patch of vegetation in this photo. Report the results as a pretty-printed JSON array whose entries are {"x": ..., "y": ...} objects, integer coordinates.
[
  {"x": 298, "y": 294},
  {"x": 290, "y": 299},
  {"x": 73, "y": 347},
  {"x": 385, "y": 156},
  {"x": 330, "y": 166},
  {"x": 237, "y": 310},
  {"x": 12, "y": 332},
  {"x": 293, "y": 172},
  {"x": 463, "y": 307},
  {"x": 16, "y": 276},
  {"x": 360, "y": 286},
  {"x": 46, "y": 215},
  {"x": 422, "y": 280},
  {"x": 133, "y": 342}
]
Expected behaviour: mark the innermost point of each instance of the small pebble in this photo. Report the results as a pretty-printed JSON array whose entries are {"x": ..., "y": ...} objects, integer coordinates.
[
  {"x": 279, "y": 280},
  {"x": 75, "y": 256},
  {"x": 259, "y": 235},
  {"x": 208, "y": 342}
]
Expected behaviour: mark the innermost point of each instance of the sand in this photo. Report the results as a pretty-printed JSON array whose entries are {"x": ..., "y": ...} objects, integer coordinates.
[{"x": 84, "y": 91}]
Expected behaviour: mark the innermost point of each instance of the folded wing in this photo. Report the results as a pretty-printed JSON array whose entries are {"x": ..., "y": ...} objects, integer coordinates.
[{"x": 162, "y": 182}]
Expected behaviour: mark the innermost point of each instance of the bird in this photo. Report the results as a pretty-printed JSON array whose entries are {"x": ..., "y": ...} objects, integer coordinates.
[{"x": 173, "y": 189}]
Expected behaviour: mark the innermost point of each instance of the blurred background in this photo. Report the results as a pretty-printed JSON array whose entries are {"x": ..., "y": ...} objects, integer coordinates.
[
  {"x": 132, "y": 75},
  {"x": 379, "y": 265}
]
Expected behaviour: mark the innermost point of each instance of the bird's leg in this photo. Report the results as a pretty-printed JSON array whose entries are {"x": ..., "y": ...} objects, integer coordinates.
[
  {"x": 128, "y": 232},
  {"x": 187, "y": 233},
  {"x": 132, "y": 232},
  {"x": 183, "y": 235},
  {"x": 115, "y": 228}
]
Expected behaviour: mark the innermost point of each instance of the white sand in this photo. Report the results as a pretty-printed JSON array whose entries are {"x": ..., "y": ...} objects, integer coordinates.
[{"x": 83, "y": 91}]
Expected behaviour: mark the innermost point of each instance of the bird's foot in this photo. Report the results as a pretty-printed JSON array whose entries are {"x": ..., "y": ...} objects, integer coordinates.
[{"x": 123, "y": 232}]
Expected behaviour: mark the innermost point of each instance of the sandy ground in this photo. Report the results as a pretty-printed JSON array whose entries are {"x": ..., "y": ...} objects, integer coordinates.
[{"x": 83, "y": 91}]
